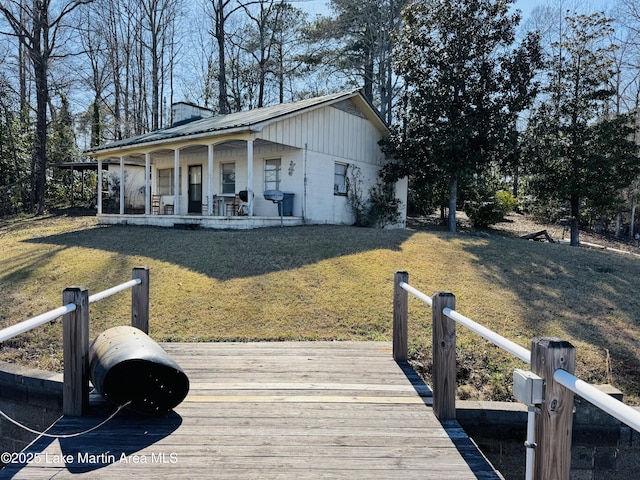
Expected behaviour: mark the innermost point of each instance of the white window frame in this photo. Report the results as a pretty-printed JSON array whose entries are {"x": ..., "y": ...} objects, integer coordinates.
[
  {"x": 232, "y": 175},
  {"x": 272, "y": 166},
  {"x": 340, "y": 178},
  {"x": 163, "y": 188}
]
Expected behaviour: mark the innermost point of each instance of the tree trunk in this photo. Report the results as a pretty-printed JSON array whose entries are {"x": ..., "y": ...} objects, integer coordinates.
[
  {"x": 223, "y": 104},
  {"x": 632, "y": 228},
  {"x": 40, "y": 67},
  {"x": 574, "y": 223},
  {"x": 22, "y": 63},
  {"x": 453, "y": 199},
  {"x": 96, "y": 123}
]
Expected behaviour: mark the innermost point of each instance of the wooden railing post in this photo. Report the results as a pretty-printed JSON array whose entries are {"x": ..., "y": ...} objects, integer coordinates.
[
  {"x": 75, "y": 352},
  {"x": 555, "y": 421},
  {"x": 140, "y": 300},
  {"x": 400, "y": 318},
  {"x": 444, "y": 357}
]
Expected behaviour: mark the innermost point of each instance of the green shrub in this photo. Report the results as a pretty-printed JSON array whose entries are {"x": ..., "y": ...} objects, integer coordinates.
[{"x": 489, "y": 212}]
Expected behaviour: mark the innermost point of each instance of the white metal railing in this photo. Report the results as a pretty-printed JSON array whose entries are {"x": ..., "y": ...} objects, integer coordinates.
[
  {"x": 416, "y": 293},
  {"x": 443, "y": 306},
  {"x": 113, "y": 290},
  {"x": 612, "y": 406},
  {"x": 502, "y": 342},
  {"x": 75, "y": 333},
  {"x": 621, "y": 411},
  {"x": 26, "y": 325}
]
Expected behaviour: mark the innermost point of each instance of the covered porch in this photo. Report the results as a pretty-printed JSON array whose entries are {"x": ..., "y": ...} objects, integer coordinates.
[{"x": 218, "y": 184}]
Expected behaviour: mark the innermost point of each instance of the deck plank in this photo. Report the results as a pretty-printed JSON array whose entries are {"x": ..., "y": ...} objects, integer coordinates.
[{"x": 292, "y": 410}]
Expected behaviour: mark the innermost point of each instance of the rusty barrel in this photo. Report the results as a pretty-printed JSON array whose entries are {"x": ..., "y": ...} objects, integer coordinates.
[{"x": 126, "y": 365}]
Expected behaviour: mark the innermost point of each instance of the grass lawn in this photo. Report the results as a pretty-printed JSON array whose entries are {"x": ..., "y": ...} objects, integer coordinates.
[{"x": 329, "y": 283}]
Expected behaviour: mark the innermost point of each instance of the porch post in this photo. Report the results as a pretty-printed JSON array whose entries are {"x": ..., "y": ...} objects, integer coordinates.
[
  {"x": 176, "y": 180},
  {"x": 250, "y": 175},
  {"x": 210, "y": 180},
  {"x": 99, "y": 199},
  {"x": 121, "y": 185},
  {"x": 147, "y": 183}
]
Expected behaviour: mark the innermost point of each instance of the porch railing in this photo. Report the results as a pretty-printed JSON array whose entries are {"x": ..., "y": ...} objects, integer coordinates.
[
  {"x": 551, "y": 359},
  {"x": 75, "y": 333}
]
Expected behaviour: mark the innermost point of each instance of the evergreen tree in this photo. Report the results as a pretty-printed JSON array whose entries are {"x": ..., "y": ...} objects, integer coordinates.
[
  {"x": 61, "y": 148},
  {"x": 578, "y": 153},
  {"x": 465, "y": 84}
]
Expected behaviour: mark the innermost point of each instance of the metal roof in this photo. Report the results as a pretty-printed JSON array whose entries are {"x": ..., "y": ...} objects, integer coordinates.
[{"x": 240, "y": 121}]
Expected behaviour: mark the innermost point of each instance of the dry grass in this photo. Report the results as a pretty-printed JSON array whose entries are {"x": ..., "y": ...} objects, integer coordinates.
[{"x": 329, "y": 283}]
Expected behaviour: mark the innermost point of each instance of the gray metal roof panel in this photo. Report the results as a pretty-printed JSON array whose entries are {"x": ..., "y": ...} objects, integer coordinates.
[{"x": 220, "y": 123}]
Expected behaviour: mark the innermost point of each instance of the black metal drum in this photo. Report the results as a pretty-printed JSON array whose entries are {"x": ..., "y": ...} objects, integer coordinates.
[{"x": 126, "y": 365}]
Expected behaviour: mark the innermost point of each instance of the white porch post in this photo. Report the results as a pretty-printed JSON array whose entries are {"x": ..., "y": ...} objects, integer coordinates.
[
  {"x": 99, "y": 199},
  {"x": 121, "y": 185},
  {"x": 147, "y": 183},
  {"x": 210, "y": 180},
  {"x": 176, "y": 180},
  {"x": 250, "y": 175}
]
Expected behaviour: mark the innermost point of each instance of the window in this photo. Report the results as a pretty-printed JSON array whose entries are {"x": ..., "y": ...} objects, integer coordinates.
[
  {"x": 340, "y": 179},
  {"x": 272, "y": 169},
  {"x": 166, "y": 181},
  {"x": 228, "y": 178}
]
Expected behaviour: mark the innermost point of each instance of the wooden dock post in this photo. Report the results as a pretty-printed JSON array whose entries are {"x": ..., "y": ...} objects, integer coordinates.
[
  {"x": 555, "y": 421},
  {"x": 75, "y": 352},
  {"x": 140, "y": 300},
  {"x": 400, "y": 318},
  {"x": 444, "y": 357}
]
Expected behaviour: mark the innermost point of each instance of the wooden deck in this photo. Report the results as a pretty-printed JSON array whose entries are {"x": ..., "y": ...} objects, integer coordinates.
[{"x": 294, "y": 410}]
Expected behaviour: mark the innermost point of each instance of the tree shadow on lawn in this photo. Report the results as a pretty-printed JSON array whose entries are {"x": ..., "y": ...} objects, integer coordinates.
[
  {"x": 226, "y": 254},
  {"x": 582, "y": 295}
]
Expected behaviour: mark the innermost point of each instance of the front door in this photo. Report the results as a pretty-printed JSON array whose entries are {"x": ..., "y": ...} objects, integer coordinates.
[{"x": 195, "y": 189}]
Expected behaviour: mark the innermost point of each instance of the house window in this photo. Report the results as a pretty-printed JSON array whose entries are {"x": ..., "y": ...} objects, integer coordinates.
[
  {"x": 166, "y": 181},
  {"x": 272, "y": 169},
  {"x": 228, "y": 177},
  {"x": 340, "y": 179}
]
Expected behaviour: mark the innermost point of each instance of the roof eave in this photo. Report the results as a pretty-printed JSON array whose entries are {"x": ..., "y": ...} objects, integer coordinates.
[{"x": 167, "y": 141}]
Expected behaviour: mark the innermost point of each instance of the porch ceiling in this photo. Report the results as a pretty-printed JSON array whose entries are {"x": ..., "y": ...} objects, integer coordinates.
[{"x": 137, "y": 158}]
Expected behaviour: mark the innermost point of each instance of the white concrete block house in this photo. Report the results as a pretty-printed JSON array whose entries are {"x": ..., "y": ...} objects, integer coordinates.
[{"x": 212, "y": 170}]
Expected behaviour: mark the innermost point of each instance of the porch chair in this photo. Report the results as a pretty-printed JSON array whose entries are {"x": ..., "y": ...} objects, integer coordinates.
[
  {"x": 155, "y": 204},
  {"x": 232, "y": 208},
  {"x": 168, "y": 207}
]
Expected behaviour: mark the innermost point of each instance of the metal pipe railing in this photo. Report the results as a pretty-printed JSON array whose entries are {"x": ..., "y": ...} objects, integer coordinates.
[
  {"x": 444, "y": 303},
  {"x": 26, "y": 325},
  {"x": 416, "y": 293},
  {"x": 613, "y": 407},
  {"x": 15, "y": 330},
  {"x": 502, "y": 342},
  {"x": 113, "y": 290}
]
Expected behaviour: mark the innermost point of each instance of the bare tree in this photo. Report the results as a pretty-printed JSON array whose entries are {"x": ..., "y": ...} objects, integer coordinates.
[
  {"x": 273, "y": 26},
  {"x": 92, "y": 37},
  {"x": 38, "y": 31},
  {"x": 157, "y": 18},
  {"x": 221, "y": 13}
]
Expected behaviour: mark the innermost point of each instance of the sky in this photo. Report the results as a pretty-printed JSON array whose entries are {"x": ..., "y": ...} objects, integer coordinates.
[{"x": 526, "y": 6}]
